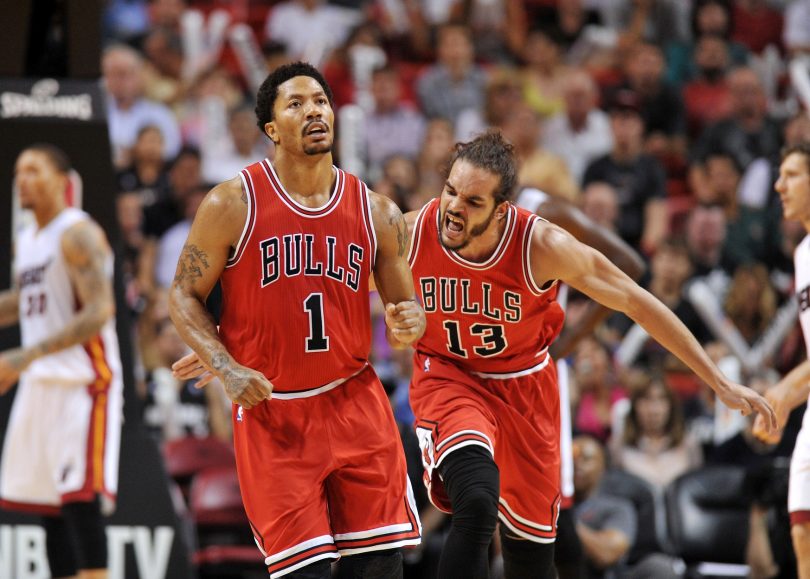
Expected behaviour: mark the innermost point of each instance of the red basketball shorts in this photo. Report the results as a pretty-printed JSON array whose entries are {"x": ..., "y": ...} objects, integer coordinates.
[
  {"x": 324, "y": 475},
  {"x": 516, "y": 419}
]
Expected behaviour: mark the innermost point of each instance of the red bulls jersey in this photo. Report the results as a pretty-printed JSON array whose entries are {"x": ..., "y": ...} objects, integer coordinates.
[
  {"x": 488, "y": 317},
  {"x": 295, "y": 291}
]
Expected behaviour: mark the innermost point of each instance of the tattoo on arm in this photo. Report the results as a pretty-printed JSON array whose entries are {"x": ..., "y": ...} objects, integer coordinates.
[
  {"x": 244, "y": 196},
  {"x": 402, "y": 232},
  {"x": 190, "y": 266},
  {"x": 87, "y": 254}
]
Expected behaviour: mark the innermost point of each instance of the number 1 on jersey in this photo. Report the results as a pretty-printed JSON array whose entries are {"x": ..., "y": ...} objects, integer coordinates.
[{"x": 317, "y": 341}]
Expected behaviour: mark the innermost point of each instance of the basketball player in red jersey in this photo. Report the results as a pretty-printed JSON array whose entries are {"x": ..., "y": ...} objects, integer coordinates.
[
  {"x": 294, "y": 242},
  {"x": 483, "y": 389}
]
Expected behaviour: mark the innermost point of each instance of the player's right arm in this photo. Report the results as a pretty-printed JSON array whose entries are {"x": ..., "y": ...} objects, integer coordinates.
[
  {"x": 9, "y": 307},
  {"x": 789, "y": 393},
  {"x": 214, "y": 232}
]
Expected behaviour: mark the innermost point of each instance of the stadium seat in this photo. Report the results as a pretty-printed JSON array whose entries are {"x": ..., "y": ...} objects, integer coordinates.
[
  {"x": 707, "y": 514},
  {"x": 185, "y": 457},
  {"x": 226, "y": 545},
  {"x": 622, "y": 484}
]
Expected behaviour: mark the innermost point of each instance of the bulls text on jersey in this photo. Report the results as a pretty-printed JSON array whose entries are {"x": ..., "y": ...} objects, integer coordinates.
[
  {"x": 449, "y": 295},
  {"x": 295, "y": 254}
]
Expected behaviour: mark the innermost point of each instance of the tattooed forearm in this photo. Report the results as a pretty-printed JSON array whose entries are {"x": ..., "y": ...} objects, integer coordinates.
[
  {"x": 190, "y": 266},
  {"x": 9, "y": 307},
  {"x": 402, "y": 233},
  {"x": 244, "y": 196},
  {"x": 87, "y": 256}
]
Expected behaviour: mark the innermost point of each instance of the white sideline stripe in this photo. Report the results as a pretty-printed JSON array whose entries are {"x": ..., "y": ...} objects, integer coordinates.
[
  {"x": 403, "y": 543},
  {"x": 322, "y": 540},
  {"x": 462, "y": 433},
  {"x": 533, "y": 538},
  {"x": 374, "y": 532},
  {"x": 526, "y": 372},
  {"x": 315, "y": 391},
  {"x": 527, "y": 522},
  {"x": 303, "y": 563}
]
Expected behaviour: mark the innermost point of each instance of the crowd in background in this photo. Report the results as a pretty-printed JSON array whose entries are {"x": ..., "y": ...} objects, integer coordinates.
[{"x": 662, "y": 120}]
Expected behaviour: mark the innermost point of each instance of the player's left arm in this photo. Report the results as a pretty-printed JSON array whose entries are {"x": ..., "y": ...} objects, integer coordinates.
[
  {"x": 87, "y": 255},
  {"x": 555, "y": 254},
  {"x": 404, "y": 317}
]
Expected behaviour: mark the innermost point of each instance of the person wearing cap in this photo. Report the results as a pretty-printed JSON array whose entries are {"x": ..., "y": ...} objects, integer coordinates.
[{"x": 638, "y": 178}]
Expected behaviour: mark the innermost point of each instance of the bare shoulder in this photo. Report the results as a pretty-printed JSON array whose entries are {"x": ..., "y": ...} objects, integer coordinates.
[
  {"x": 224, "y": 210},
  {"x": 84, "y": 240},
  {"x": 548, "y": 237},
  {"x": 389, "y": 224}
]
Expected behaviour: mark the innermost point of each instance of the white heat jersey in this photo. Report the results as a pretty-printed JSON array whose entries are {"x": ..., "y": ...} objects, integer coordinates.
[
  {"x": 48, "y": 303},
  {"x": 801, "y": 260},
  {"x": 799, "y": 488}
]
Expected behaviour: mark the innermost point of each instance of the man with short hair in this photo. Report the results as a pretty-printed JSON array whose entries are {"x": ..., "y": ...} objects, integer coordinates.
[
  {"x": 60, "y": 454},
  {"x": 792, "y": 391},
  {"x": 293, "y": 243}
]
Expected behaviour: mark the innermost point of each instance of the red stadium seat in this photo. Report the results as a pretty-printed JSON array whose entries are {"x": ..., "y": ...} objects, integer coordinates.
[
  {"x": 185, "y": 457},
  {"x": 225, "y": 542}
]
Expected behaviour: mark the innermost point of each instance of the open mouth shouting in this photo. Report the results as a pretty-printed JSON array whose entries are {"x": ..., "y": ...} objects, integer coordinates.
[{"x": 453, "y": 227}]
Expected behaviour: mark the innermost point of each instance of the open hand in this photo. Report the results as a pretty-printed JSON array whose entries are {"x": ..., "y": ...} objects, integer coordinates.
[
  {"x": 189, "y": 367},
  {"x": 775, "y": 397}
]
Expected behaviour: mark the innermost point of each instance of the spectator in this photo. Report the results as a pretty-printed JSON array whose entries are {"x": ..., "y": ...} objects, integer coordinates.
[
  {"x": 544, "y": 74},
  {"x": 433, "y": 158},
  {"x": 753, "y": 233},
  {"x": 705, "y": 232},
  {"x": 606, "y": 525},
  {"x": 654, "y": 445},
  {"x": 749, "y": 133},
  {"x": 163, "y": 49},
  {"x": 310, "y": 29},
  {"x": 146, "y": 173},
  {"x": 127, "y": 109},
  {"x": 184, "y": 179},
  {"x": 708, "y": 17},
  {"x": 638, "y": 178},
  {"x": 227, "y": 150},
  {"x": 756, "y": 25},
  {"x": 455, "y": 82},
  {"x": 538, "y": 168},
  {"x": 661, "y": 105},
  {"x": 498, "y": 26},
  {"x": 502, "y": 96},
  {"x": 600, "y": 203},
  {"x": 707, "y": 95},
  {"x": 597, "y": 388},
  {"x": 751, "y": 301},
  {"x": 399, "y": 182},
  {"x": 129, "y": 216},
  {"x": 582, "y": 133},
  {"x": 393, "y": 128}
]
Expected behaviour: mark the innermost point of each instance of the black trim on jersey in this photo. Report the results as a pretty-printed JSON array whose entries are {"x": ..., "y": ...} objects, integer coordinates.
[
  {"x": 269, "y": 260},
  {"x": 290, "y": 252},
  {"x": 465, "y": 299},
  {"x": 309, "y": 270},
  {"x": 355, "y": 266},
  {"x": 331, "y": 272},
  {"x": 493, "y": 314},
  {"x": 512, "y": 311},
  {"x": 428, "y": 287},
  {"x": 447, "y": 294}
]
